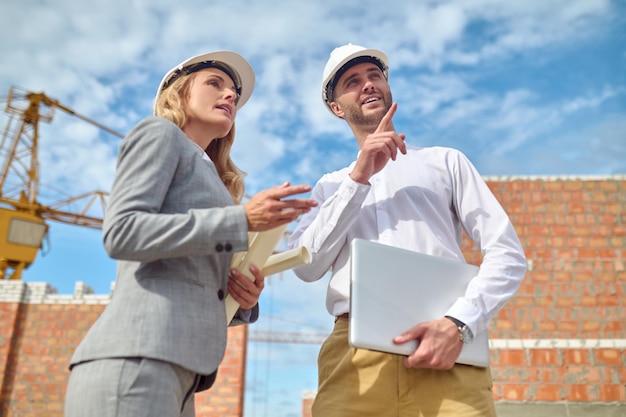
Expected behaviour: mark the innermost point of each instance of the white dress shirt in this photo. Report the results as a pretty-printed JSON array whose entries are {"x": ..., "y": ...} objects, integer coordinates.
[{"x": 421, "y": 202}]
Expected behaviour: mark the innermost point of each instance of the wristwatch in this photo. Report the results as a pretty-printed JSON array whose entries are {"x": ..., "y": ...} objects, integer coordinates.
[{"x": 465, "y": 333}]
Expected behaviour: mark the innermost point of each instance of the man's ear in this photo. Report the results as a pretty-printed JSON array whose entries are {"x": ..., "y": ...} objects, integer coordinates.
[{"x": 336, "y": 109}]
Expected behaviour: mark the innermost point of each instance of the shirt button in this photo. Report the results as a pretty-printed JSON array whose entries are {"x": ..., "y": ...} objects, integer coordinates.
[
  {"x": 228, "y": 247},
  {"x": 219, "y": 247},
  {"x": 220, "y": 294}
]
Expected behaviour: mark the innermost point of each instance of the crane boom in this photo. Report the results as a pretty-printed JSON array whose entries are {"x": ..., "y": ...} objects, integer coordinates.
[{"x": 54, "y": 103}]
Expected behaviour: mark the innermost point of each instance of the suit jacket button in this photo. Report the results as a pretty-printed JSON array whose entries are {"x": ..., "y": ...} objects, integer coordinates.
[
  {"x": 228, "y": 247},
  {"x": 219, "y": 247},
  {"x": 220, "y": 294}
]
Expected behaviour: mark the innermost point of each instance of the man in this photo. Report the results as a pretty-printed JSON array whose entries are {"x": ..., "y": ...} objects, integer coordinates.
[{"x": 413, "y": 198}]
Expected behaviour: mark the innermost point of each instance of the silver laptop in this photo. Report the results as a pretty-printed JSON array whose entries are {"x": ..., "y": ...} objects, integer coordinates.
[{"x": 394, "y": 289}]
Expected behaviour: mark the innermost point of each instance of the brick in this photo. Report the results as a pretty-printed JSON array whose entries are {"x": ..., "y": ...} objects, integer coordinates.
[
  {"x": 614, "y": 208},
  {"x": 612, "y": 393},
  {"x": 548, "y": 326},
  {"x": 575, "y": 356},
  {"x": 550, "y": 392},
  {"x": 578, "y": 374},
  {"x": 559, "y": 242},
  {"x": 610, "y": 357},
  {"x": 589, "y": 326},
  {"x": 594, "y": 196},
  {"x": 588, "y": 301},
  {"x": 544, "y": 357},
  {"x": 536, "y": 197},
  {"x": 538, "y": 253},
  {"x": 538, "y": 241},
  {"x": 587, "y": 253},
  {"x": 558, "y": 208},
  {"x": 574, "y": 185},
  {"x": 512, "y": 357},
  {"x": 607, "y": 277},
  {"x": 565, "y": 254},
  {"x": 514, "y": 392},
  {"x": 562, "y": 276},
  {"x": 583, "y": 231},
  {"x": 610, "y": 186},
  {"x": 553, "y": 187},
  {"x": 578, "y": 393},
  {"x": 609, "y": 300},
  {"x": 616, "y": 327},
  {"x": 504, "y": 325},
  {"x": 617, "y": 243},
  {"x": 576, "y": 241},
  {"x": 575, "y": 208},
  {"x": 607, "y": 253},
  {"x": 598, "y": 242},
  {"x": 569, "y": 326}
]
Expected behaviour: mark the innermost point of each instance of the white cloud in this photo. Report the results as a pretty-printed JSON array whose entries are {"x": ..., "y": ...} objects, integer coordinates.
[
  {"x": 435, "y": 29},
  {"x": 89, "y": 55}
]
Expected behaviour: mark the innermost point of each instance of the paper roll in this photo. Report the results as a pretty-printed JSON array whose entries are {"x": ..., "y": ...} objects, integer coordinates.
[{"x": 288, "y": 259}]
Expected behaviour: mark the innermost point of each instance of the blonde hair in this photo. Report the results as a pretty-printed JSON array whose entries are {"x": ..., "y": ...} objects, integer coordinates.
[{"x": 171, "y": 104}]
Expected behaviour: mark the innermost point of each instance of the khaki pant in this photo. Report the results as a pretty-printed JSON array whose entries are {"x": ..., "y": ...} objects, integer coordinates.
[{"x": 359, "y": 382}]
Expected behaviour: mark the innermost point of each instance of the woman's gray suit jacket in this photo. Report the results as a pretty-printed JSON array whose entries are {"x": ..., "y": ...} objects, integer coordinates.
[{"x": 173, "y": 227}]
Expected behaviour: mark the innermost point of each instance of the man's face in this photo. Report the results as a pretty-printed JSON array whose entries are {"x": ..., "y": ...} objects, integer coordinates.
[{"x": 362, "y": 95}]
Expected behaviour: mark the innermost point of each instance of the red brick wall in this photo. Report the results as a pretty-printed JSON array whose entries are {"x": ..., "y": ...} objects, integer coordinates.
[
  {"x": 307, "y": 403},
  {"x": 562, "y": 337},
  {"x": 38, "y": 335},
  {"x": 226, "y": 397}
]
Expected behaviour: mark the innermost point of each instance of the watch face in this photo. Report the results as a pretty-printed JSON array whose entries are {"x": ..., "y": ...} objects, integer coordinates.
[{"x": 466, "y": 334}]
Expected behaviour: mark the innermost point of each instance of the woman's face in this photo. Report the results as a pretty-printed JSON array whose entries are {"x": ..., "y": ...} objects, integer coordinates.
[{"x": 211, "y": 103}]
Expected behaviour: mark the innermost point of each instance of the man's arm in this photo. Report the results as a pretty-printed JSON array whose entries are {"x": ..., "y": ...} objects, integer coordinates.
[
  {"x": 323, "y": 230},
  {"x": 501, "y": 272},
  {"x": 504, "y": 263}
]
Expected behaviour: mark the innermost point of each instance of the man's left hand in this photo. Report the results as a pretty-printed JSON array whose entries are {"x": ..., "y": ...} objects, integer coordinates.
[{"x": 439, "y": 345}]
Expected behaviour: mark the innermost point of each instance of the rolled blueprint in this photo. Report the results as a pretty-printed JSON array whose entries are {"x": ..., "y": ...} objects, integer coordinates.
[
  {"x": 288, "y": 259},
  {"x": 260, "y": 249}
]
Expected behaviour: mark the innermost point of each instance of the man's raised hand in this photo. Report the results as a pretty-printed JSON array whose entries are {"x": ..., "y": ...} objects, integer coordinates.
[{"x": 378, "y": 148}]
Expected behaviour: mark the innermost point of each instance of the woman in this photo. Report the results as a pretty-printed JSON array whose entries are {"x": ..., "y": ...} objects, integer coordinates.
[{"x": 173, "y": 221}]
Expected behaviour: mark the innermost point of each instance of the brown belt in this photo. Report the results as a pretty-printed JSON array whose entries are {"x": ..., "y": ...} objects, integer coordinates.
[{"x": 343, "y": 316}]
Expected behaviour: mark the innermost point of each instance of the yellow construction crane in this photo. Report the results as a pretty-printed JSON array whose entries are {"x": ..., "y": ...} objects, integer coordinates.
[{"x": 23, "y": 226}]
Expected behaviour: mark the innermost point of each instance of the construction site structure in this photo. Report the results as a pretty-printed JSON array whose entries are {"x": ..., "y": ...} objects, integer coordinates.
[{"x": 23, "y": 226}]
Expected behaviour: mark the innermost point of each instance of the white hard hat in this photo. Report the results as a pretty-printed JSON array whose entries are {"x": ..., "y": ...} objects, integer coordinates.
[
  {"x": 344, "y": 57},
  {"x": 231, "y": 63}
]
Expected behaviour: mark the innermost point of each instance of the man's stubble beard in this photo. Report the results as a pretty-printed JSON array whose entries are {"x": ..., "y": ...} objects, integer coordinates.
[{"x": 353, "y": 114}]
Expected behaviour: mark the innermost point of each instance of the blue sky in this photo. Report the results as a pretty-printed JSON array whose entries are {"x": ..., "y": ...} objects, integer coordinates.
[{"x": 528, "y": 87}]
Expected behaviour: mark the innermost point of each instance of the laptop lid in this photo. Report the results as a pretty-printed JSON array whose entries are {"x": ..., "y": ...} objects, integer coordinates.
[{"x": 394, "y": 289}]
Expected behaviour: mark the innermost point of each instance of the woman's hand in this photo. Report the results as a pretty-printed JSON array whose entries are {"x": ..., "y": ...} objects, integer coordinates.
[
  {"x": 244, "y": 291},
  {"x": 267, "y": 209}
]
